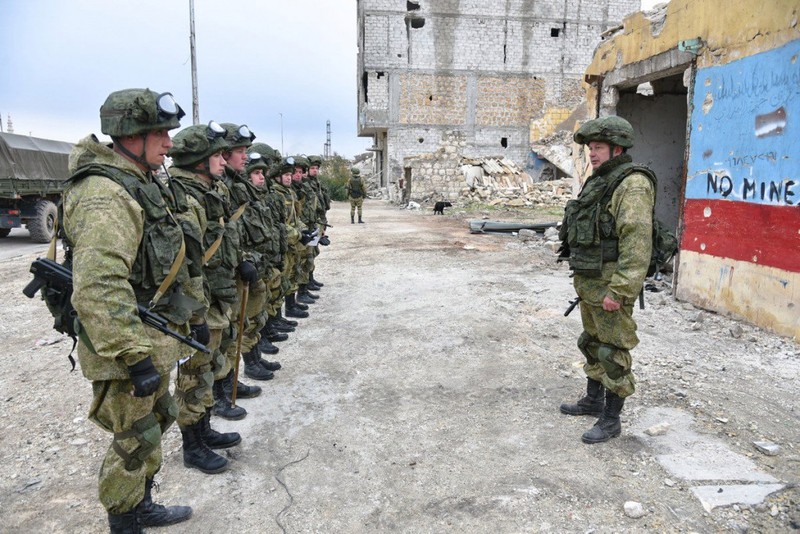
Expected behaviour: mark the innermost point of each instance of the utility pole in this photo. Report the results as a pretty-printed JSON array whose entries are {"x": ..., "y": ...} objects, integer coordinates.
[
  {"x": 282, "y": 154},
  {"x": 192, "y": 49},
  {"x": 327, "y": 154}
]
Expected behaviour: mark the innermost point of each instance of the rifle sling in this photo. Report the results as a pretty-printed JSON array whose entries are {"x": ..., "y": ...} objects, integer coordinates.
[{"x": 215, "y": 245}]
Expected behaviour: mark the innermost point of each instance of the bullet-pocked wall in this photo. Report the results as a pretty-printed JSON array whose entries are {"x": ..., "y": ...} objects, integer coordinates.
[
  {"x": 484, "y": 69},
  {"x": 740, "y": 210}
]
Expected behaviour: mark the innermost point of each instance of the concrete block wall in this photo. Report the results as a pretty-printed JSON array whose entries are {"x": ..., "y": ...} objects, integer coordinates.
[{"x": 484, "y": 68}]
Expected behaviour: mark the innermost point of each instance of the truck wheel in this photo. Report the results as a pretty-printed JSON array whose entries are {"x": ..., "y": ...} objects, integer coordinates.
[
  {"x": 42, "y": 226},
  {"x": 4, "y": 232}
]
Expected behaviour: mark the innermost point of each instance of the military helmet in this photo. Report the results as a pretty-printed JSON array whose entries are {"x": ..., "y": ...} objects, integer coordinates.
[
  {"x": 269, "y": 154},
  {"x": 314, "y": 161},
  {"x": 256, "y": 161},
  {"x": 238, "y": 135},
  {"x": 138, "y": 111},
  {"x": 197, "y": 143},
  {"x": 613, "y": 130},
  {"x": 282, "y": 167},
  {"x": 301, "y": 161},
  {"x": 354, "y": 171}
]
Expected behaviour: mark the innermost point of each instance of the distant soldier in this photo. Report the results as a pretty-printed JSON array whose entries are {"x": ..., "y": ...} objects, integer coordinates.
[
  {"x": 356, "y": 191},
  {"x": 607, "y": 236},
  {"x": 123, "y": 242}
]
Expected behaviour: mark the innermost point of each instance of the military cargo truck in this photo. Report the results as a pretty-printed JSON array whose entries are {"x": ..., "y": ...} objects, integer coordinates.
[{"x": 32, "y": 176}]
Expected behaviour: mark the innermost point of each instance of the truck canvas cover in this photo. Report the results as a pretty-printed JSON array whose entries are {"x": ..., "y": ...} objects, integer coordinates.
[{"x": 30, "y": 163}]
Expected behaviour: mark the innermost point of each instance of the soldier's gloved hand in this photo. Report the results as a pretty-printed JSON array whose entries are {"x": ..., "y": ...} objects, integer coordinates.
[
  {"x": 200, "y": 333},
  {"x": 324, "y": 241},
  {"x": 306, "y": 237},
  {"x": 247, "y": 272},
  {"x": 145, "y": 378}
]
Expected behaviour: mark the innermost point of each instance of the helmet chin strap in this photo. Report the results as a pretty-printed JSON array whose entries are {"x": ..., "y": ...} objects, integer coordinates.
[{"x": 141, "y": 159}]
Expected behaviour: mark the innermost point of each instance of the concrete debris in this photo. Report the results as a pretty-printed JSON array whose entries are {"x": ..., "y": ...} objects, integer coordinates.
[
  {"x": 767, "y": 447},
  {"x": 413, "y": 206},
  {"x": 526, "y": 234},
  {"x": 551, "y": 234},
  {"x": 634, "y": 509},
  {"x": 736, "y": 331},
  {"x": 658, "y": 430}
]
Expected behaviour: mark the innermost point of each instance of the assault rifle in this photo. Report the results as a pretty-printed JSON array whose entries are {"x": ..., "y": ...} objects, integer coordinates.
[
  {"x": 58, "y": 280},
  {"x": 574, "y": 302},
  {"x": 323, "y": 224}
]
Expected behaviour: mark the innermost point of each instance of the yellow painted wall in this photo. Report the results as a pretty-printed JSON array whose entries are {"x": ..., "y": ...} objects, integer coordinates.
[{"x": 765, "y": 296}]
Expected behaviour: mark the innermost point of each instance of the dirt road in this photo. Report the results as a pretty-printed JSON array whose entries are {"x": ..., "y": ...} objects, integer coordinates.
[{"x": 422, "y": 396}]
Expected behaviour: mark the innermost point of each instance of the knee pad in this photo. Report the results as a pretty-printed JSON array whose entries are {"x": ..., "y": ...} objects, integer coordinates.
[
  {"x": 147, "y": 433},
  {"x": 605, "y": 354},
  {"x": 167, "y": 409},
  {"x": 202, "y": 383},
  {"x": 587, "y": 345}
]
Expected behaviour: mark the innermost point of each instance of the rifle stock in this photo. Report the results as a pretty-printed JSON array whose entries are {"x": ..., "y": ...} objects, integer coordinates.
[{"x": 47, "y": 271}]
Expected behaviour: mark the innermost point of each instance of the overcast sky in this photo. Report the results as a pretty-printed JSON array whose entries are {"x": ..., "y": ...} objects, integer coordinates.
[{"x": 256, "y": 59}]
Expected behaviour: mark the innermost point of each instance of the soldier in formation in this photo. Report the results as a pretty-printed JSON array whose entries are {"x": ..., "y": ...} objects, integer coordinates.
[
  {"x": 356, "y": 191},
  {"x": 226, "y": 223}
]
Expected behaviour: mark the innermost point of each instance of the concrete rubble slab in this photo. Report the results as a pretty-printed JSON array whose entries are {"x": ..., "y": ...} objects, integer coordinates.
[
  {"x": 718, "y": 496},
  {"x": 691, "y": 456}
]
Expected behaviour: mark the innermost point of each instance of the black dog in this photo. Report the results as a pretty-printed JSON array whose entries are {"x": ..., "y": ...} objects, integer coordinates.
[{"x": 439, "y": 207}]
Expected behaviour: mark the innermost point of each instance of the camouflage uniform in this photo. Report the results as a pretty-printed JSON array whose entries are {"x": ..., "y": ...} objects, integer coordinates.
[
  {"x": 123, "y": 240},
  {"x": 356, "y": 191},
  {"x": 607, "y": 239}
]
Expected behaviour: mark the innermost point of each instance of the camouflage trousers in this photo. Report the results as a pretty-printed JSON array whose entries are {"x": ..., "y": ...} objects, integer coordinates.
[
  {"x": 255, "y": 319},
  {"x": 356, "y": 203},
  {"x": 306, "y": 265},
  {"x": 606, "y": 342},
  {"x": 274, "y": 282},
  {"x": 135, "y": 452},
  {"x": 193, "y": 392}
]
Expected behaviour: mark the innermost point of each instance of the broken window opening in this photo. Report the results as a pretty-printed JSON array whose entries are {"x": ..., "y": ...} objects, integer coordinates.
[
  {"x": 554, "y": 32},
  {"x": 364, "y": 85},
  {"x": 504, "y": 142},
  {"x": 417, "y": 22},
  {"x": 505, "y": 47},
  {"x": 430, "y": 98},
  {"x": 412, "y": 6},
  {"x": 379, "y": 74},
  {"x": 421, "y": 140}
]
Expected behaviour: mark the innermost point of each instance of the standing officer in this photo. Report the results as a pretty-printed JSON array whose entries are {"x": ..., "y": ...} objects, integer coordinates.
[
  {"x": 356, "y": 191},
  {"x": 607, "y": 238},
  {"x": 123, "y": 242}
]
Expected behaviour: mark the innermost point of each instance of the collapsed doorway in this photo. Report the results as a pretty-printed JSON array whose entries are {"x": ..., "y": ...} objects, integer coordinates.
[{"x": 658, "y": 111}]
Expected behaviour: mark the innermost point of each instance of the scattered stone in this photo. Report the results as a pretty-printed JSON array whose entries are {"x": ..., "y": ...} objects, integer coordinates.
[
  {"x": 767, "y": 447},
  {"x": 736, "y": 331},
  {"x": 551, "y": 234},
  {"x": 696, "y": 326},
  {"x": 722, "y": 420},
  {"x": 669, "y": 482},
  {"x": 658, "y": 430},
  {"x": 79, "y": 442},
  {"x": 526, "y": 234},
  {"x": 634, "y": 510}
]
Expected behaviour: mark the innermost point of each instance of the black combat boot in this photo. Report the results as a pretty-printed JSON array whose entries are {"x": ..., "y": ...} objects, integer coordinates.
[
  {"x": 315, "y": 281},
  {"x": 279, "y": 317},
  {"x": 313, "y": 286},
  {"x": 352, "y": 219},
  {"x": 272, "y": 334},
  {"x": 305, "y": 291},
  {"x": 243, "y": 391},
  {"x": 359, "y": 220},
  {"x": 279, "y": 326},
  {"x": 292, "y": 310},
  {"x": 303, "y": 297},
  {"x": 196, "y": 453},
  {"x": 222, "y": 400},
  {"x": 214, "y": 439},
  {"x": 266, "y": 347},
  {"x": 608, "y": 426},
  {"x": 127, "y": 523},
  {"x": 158, "y": 515},
  {"x": 253, "y": 367},
  {"x": 591, "y": 404}
]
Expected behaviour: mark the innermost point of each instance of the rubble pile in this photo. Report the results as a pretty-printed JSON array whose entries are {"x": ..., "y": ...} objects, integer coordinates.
[{"x": 500, "y": 182}]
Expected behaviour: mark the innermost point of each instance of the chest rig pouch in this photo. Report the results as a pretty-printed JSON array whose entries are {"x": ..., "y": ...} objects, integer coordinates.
[
  {"x": 589, "y": 228},
  {"x": 162, "y": 238}
]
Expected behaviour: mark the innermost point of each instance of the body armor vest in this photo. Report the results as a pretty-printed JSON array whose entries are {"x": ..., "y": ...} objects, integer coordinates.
[
  {"x": 589, "y": 228},
  {"x": 256, "y": 220},
  {"x": 161, "y": 240}
]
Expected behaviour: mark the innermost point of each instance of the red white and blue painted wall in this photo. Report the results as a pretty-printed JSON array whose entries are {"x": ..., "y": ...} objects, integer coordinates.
[
  {"x": 734, "y": 72},
  {"x": 740, "y": 249}
]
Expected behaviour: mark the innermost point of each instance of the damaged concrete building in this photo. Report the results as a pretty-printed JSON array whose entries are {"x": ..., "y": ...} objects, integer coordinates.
[
  {"x": 468, "y": 77},
  {"x": 712, "y": 89}
]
